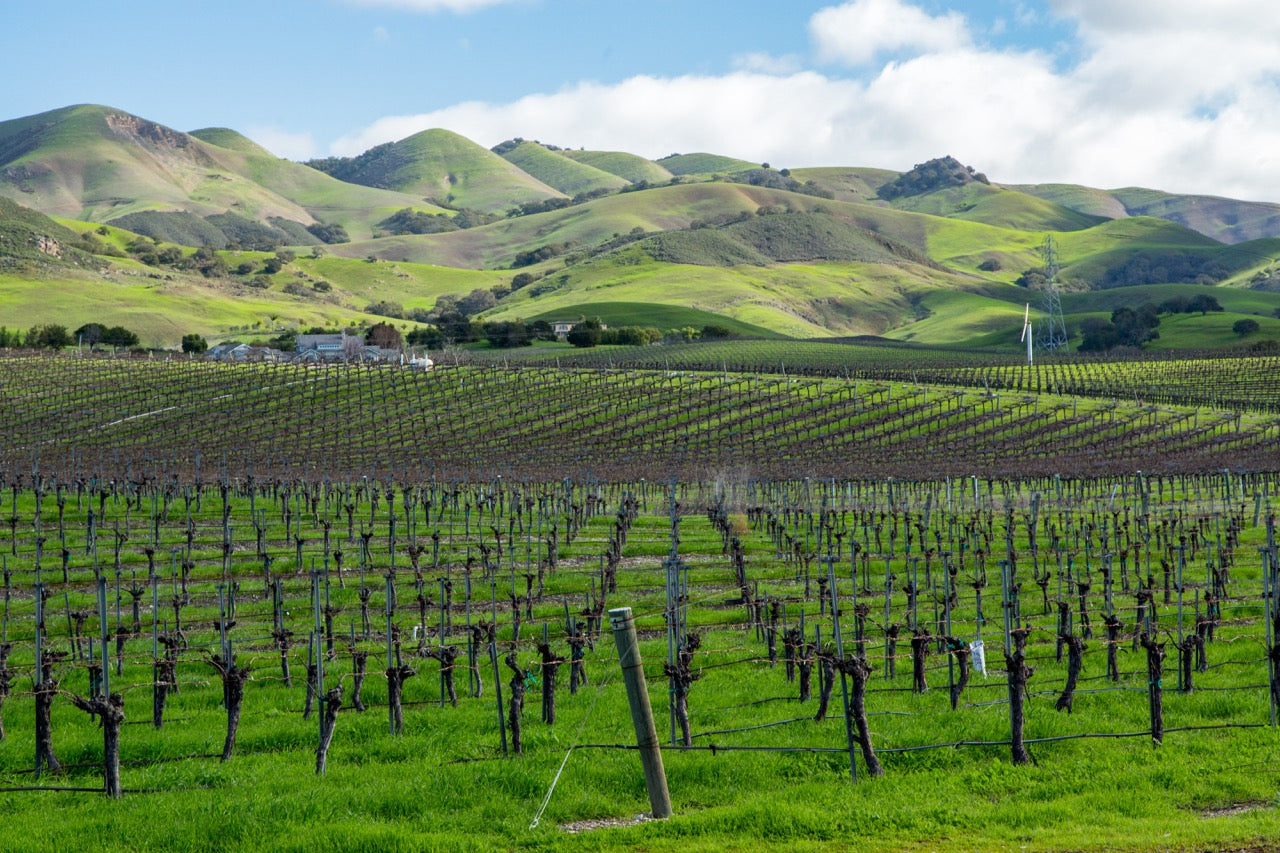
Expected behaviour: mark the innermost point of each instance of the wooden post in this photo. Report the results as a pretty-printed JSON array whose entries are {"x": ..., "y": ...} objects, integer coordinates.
[
  {"x": 102, "y": 626},
  {"x": 655, "y": 777}
]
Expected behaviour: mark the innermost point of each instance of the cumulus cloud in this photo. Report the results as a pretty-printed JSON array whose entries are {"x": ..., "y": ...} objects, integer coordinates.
[
  {"x": 767, "y": 63},
  {"x": 760, "y": 116},
  {"x": 855, "y": 33},
  {"x": 1189, "y": 103}
]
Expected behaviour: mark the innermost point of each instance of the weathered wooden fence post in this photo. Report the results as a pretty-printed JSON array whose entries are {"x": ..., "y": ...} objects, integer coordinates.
[{"x": 655, "y": 777}]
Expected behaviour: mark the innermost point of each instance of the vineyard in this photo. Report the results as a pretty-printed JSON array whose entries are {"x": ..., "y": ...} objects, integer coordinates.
[
  {"x": 148, "y": 420},
  {"x": 288, "y": 608},
  {"x": 1217, "y": 380}
]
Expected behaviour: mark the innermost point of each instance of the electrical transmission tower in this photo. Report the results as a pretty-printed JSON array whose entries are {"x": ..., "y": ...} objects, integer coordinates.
[{"x": 1054, "y": 336}]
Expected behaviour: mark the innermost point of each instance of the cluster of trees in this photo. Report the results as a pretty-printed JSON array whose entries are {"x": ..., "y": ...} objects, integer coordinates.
[
  {"x": 329, "y": 232},
  {"x": 92, "y": 334},
  {"x": 447, "y": 308},
  {"x": 54, "y": 336},
  {"x": 455, "y": 328},
  {"x": 1162, "y": 267},
  {"x": 410, "y": 221},
  {"x": 929, "y": 176},
  {"x": 529, "y": 208},
  {"x": 779, "y": 180},
  {"x": 542, "y": 253},
  {"x": 1128, "y": 327},
  {"x": 37, "y": 337},
  {"x": 1132, "y": 327},
  {"x": 1201, "y": 304},
  {"x": 590, "y": 333},
  {"x": 207, "y": 261},
  {"x": 505, "y": 334}
]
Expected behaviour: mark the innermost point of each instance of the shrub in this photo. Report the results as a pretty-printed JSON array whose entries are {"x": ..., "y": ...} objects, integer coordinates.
[
  {"x": 586, "y": 333},
  {"x": 329, "y": 233}
]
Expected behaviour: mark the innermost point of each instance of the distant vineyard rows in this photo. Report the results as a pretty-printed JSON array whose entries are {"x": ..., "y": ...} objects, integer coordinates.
[
  {"x": 1235, "y": 382},
  {"x": 193, "y": 419}
]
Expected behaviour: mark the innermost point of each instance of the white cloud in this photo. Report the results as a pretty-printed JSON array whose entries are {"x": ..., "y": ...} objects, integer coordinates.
[
  {"x": 282, "y": 143},
  {"x": 856, "y": 32},
  {"x": 767, "y": 63},
  {"x": 381, "y": 34},
  {"x": 457, "y": 6},
  {"x": 1190, "y": 103},
  {"x": 753, "y": 115}
]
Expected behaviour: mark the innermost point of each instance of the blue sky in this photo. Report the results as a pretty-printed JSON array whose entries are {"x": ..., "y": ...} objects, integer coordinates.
[{"x": 1177, "y": 94}]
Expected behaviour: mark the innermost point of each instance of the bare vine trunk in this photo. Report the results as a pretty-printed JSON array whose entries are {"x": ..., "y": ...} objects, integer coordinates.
[
  {"x": 858, "y": 670},
  {"x": 111, "y": 712},
  {"x": 1075, "y": 662},
  {"x": 1155, "y": 691},
  {"x": 233, "y": 679},
  {"x": 1019, "y": 672},
  {"x": 332, "y": 705}
]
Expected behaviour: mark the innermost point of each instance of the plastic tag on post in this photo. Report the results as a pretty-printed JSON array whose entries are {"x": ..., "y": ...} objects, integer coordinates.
[{"x": 978, "y": 654}]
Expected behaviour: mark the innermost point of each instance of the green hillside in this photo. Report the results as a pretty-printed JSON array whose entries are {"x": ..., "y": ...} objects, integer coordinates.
[
  {"x": 703, "y": 164},
  {"x": 934, "y": 255},
  {"x": 660, "y": 316},
  {"x": 1223, "y": 219},
  {"x": 225, "y": 137},
  {"x": 580, "y": 227},
  {"x": 847, "y": 184},
  {"x": 630, "y": 167},
  {"x": 96, "y": 163},
  {"x": 445, "y": 167},
  {"x": 558, "y": 171},
  {"x": 328, "y": 200},
  {"x": 33, "y": 243},
  {"x": 981, "y": 202},
  {"x": 100, "y": 164},
  {"x": 814, "y": 299}
]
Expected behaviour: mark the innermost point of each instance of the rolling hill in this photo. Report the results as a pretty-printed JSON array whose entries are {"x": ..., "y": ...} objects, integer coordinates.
[
  {"x": 703, "y": 164},
  {"x": 1223, "y": 219},
  {"x": 630, "y": 167},
  {"x": 936, "y": 254},
  {"x": 554, "y": 169},
  {"x": 99, "y": 164},
  {"x": 443, "y": 167}
]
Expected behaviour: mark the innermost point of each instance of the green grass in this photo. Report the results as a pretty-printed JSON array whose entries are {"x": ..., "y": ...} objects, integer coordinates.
[
  {"x": 629, "y": 167},
  {"x": 847, "y": 184},
  {"x": 443, "y": 783},
  {"x": 797, "y": 300},
  {"x": 95, "y": 172},
  {"x": 663, "y": 317},
  {"x": 563, "y": 173},
  {"x": 980, "y": 202},
  {"x": 850, "y": 265},
  {"x": 703, "y": 164},
  {"x": 444, "y": 166},
  {"x": 162, "y": 306}
]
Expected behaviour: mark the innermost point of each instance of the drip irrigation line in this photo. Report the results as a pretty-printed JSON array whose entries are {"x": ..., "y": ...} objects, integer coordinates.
[{"x": 101, "y": 790}]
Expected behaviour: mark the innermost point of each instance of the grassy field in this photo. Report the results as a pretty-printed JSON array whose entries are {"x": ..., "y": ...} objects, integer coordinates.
[{"x": 775, "y": 778}]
